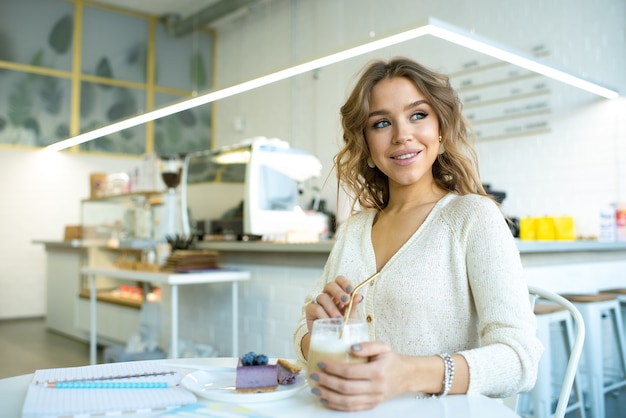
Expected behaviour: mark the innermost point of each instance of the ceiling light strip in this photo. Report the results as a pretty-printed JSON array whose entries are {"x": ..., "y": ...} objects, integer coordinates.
[
  {"x": 433, "y": 27},
  {"x": 474, "y": 42}
]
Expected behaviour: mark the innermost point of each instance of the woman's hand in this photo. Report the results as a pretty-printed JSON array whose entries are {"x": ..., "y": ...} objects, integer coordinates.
[
  {"x": 331, "y": 303},
  {"x": 361, "y": 386}
]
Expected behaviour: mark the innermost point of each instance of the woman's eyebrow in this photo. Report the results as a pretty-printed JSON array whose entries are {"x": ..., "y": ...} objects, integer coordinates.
[
  {"x": 411, "y": 105},
  {"x": 416, "y": 103},
  {"x": 379, "y": 112}
]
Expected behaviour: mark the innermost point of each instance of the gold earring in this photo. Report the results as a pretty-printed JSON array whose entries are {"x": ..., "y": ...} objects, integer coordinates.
[
  {"x": 442, "y": 149},
  {"x": 370, "y": 162}
]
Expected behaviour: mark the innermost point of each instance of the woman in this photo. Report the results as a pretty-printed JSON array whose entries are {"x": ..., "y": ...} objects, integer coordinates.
[{"x": 450, "y": 274}]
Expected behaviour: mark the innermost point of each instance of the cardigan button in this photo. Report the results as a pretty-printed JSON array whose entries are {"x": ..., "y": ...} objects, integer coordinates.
[{"x": 369, "y": 318}]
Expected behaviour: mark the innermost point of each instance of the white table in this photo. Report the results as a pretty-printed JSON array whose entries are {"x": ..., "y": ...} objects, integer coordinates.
[
  {"x": 173, "y": 280},
  {"x": 302, "y": 404}
]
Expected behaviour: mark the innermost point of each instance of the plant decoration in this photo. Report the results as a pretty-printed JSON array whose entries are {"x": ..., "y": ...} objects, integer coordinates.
[{"x": 35, "y": 108}]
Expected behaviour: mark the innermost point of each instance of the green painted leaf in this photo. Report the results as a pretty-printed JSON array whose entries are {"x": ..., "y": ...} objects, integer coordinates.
[
  {"x": 116, "y": 112},
  {"x": 51, "y": 94},
  {"x": 127, "y": 134},
  {"x": 32, "y": 124},
  {"x": 187, "y": 118},
  {"x": 103, "y": 69},
  {"x": 125, "y": 105},
  {"x": 6, "y": 52},
  {"x": 62, "y": 131},
  {"x": 21, "y": 103},
  {"x": 60, "y": 37},
  {"x": 198, "y": 72},
  {"x": 37, "y": 60}
]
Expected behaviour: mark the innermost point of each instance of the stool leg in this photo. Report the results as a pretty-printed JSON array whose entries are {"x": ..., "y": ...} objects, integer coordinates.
[
  {"x": 593, "y": 358},
  {"x": 579, "y": 404},
  {"x": 541, "y": 394},
  {"x": 621, "y": 341}
]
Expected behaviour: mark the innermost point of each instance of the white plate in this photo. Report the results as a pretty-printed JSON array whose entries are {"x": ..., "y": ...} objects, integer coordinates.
[{"x": 220, "y": 386}]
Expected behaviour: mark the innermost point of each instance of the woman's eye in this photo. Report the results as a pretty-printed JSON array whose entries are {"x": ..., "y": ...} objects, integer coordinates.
[
  {"x": 381, "y": 124},
  {"x": 418, "y": 115}
]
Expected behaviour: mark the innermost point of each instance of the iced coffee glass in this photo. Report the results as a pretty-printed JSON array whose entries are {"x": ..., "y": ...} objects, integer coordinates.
[{"x": 330, "y": 342}]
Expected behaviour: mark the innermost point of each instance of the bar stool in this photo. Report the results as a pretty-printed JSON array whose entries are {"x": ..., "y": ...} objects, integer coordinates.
[
  {"x": 594, "y": 308},
  {"x": 620, "y": 293},
  {"x": 542, "y": 395}
]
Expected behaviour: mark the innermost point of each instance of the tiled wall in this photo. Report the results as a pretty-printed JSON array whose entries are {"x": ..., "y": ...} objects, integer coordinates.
[{"x": 269, "y": 307}]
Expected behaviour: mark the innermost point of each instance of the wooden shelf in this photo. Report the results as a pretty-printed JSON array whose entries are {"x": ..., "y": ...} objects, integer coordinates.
[
  {"x": 115, "y": 197},
  {"x": 111, "y": 297}
]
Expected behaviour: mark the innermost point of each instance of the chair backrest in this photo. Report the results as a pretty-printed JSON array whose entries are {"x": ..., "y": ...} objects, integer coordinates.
[{"x": 577, "y": 346}]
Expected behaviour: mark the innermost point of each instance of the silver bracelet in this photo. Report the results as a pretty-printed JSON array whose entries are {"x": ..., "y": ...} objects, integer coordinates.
[{"x": 448, "y": 374}]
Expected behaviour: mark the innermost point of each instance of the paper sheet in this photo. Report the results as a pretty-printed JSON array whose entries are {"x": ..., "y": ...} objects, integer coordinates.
[{"x": 42, "y": 401}]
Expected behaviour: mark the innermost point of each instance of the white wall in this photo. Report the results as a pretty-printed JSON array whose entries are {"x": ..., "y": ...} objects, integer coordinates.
[
  {"x": 40, "y": 194},
  {"x": 575, "y": 169}
]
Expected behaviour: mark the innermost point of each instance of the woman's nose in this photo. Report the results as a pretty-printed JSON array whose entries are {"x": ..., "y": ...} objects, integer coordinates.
[{"x": 402, "y": 133}]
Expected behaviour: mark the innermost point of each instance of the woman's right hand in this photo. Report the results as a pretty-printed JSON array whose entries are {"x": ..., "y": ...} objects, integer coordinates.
[{"x": 332, "y": 302}]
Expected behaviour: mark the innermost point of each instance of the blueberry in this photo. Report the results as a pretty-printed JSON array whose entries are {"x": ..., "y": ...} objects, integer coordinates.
[
  {"x": 261, "y": 360},
  {"x": 248, "y": 359}
]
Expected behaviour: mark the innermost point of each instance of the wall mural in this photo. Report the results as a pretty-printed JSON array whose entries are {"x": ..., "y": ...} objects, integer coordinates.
[{"x": 35, "y": 109}]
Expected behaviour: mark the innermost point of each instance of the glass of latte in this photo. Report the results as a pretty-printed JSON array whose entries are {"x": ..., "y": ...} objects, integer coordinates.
[{"x": 331, "y": 339}]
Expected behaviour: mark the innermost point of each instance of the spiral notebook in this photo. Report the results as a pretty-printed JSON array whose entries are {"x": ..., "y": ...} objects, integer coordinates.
[{"x": 140, "y": 390}]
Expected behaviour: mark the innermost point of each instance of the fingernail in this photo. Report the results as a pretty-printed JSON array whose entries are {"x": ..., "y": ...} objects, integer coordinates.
[
  {"x": 321, "y": 365},
  {"x": 315, "y": 377},
  {"x": 316, "y": 391},
  {"x": 345, "y": 298},
  {"x": 349, "y": 289},
  {"x": 324, "y": 402},
  {"x": 356, "y": 347}
]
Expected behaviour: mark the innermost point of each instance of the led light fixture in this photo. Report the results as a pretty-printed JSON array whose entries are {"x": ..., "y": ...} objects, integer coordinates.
[{"x": 433, "y": 27}]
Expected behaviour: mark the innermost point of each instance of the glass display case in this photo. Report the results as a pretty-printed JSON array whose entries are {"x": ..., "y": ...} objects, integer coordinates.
[{"x": 129, "y": 220}]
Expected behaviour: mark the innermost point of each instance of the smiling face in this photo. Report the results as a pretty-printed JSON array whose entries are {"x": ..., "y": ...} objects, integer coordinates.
[{"x": 402, "y": 133}]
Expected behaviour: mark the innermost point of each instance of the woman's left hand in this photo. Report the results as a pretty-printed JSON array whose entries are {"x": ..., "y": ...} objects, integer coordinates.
[{"x": 361, "y": 386}]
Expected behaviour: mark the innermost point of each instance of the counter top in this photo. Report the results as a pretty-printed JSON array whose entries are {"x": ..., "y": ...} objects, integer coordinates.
[
  {"x": 264, "y": 246},
  {"x": 568, "y": 246},
  {"x": 525, "y": 247},
  {"x": 324, "y": 247},
  {"x": 74, "y": 243}
]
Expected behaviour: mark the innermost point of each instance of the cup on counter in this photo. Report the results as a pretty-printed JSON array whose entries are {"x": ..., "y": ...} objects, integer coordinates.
[{"x": 330, "y": 342}]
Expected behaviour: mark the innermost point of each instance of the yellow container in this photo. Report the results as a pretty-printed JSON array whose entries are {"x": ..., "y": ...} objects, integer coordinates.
[
  {"x": 564, "y": 228},
  {"x": 544, "y": 229},
  {"x": 527, "y": 228}
]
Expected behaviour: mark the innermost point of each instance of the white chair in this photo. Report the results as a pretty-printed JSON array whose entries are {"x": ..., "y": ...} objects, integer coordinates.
[
  {"x": 604, "y": 374},
  {"x": 575, "y": 352},
  {"x": 574, "y": 357}
]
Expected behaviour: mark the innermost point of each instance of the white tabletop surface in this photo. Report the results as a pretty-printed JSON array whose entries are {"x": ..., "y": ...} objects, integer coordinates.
[
  {"x": 171, "y": 278},
  {"x": 302, "y": 404}
]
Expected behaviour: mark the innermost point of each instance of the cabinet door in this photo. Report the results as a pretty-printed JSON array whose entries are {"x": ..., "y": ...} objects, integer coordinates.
[
  {"x": 116, "y": 324},
  {"x": 63, "y": 271}
]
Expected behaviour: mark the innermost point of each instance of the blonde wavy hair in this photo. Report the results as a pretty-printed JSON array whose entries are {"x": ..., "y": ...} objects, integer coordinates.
[{"x": 455, "y": 170}]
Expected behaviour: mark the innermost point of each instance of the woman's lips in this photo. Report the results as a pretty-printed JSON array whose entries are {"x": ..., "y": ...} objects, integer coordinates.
[{"x": 404, "y": 158}]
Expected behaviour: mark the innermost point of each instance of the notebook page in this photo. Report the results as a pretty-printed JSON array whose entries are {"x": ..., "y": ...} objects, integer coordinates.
[{"x": 42, "y": 401}]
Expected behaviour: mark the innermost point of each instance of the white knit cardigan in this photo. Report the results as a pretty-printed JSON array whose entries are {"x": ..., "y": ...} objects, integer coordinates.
[{"x": 455, "y": 286}]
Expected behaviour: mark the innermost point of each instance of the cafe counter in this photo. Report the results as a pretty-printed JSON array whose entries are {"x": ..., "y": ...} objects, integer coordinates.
[{"x": 282, "y": 274}]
